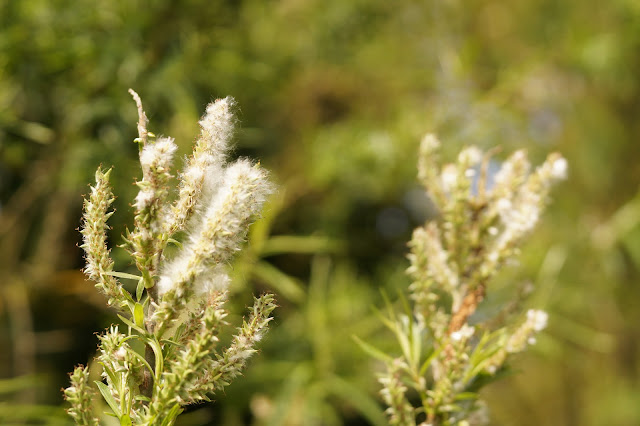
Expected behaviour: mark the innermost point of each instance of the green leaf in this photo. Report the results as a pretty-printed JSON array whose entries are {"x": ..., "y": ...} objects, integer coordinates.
[
  {"x": 129, "y": 300},
  {"x": 372, "y": 351},
  {"x": 482, "y": 379},
  {"x": 429, "y": 359},
  {"x": 141, "y": 359},
  {"x": 416, "y": 343},
  {"x": 112, "y": 377},
  {"x": 106, "y": 394},
  {"x": 140, "y": 289},
  {"x": 178, "y": 333},
  {"x": 125, "y": 420},
  {"x": 300, "y": 244},
  {"x": 157, "y": 350},
  {"x": 405, "y": 304},
  {"x": 487, "y": 347},
  {"x": 404, "y": 342},
  {"x": 173, "y": 414},
  {"x": 389, "y": 323},
  {"x": 282, "y": 283},
  {"x": 138, "y": 315},
  {"x": 357, "y": 398},
  {"x": 123, "y": 275},
  {"x": 175, "y": 242},
  {"x": 463, "y": 396},
  {"x": 261, "y": 229},
  {"x": 142, "y": 398},
  {"x": 132, "y": 325},
  {"x": 387, "y": 303}
]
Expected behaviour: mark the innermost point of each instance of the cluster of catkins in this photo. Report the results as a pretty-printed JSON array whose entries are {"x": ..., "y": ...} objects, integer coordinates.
[
  {"x": 177, "y": 310},
  {"x": 484, "y": 213}
]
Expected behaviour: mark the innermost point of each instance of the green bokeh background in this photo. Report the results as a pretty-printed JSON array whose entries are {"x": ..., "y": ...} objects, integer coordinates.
[{"x": 334, "y": 96}]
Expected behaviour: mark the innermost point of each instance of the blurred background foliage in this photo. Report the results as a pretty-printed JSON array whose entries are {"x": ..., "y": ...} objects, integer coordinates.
[{"x": 334, "y": 96}]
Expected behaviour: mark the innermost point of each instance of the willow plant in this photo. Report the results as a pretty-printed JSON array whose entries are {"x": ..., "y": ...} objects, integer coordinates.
[
  {"x": 177, "y": 310},
  {"x": 447, "y": 352}
]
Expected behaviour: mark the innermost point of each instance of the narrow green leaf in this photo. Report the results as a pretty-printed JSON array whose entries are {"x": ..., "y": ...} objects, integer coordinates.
[
  {"x": 387, "y": 303},
  {"x": 430, "y": 358},
  {"x": 141, "y": 359},
  {"x": 171, "y": 416},
  {"x": 487, "y": 347},
  {"x": 372, "y": 351},
  {"x": 416, "y": 343},
  {"x": 463, "y": 396},
  {"x": 123, "y": 275},
  {"x": 483, "y": 379},
  {"x": 179, "y": 331},
  {"x": 142, "y": 398},
  {"x": 138, "y": 315},
  {"x": 300, "y": 244},
  {"x": 106, "y": 394},
  {"x": 282, "y": 283},
  {"x": 260, "y": 231},
  {"x": 112, "y": 377},
  {"x": 175, "y": 242},
  {"x": 403, "y": 340},
  {"x": 132, "y": 325},
  {"x": 171, "y": 343},
  {"x": 359, "y": 399},
  {"x": 405, "y": 304},
  {"x": 140, "y": 289},
  {"x": 128, "y": 298},
  {"x": 152, "y": 341},
  {"x": 389, "y": 323}
]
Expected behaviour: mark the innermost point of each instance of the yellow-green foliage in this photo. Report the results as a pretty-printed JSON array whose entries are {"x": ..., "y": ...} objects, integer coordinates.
[{"x": 334, "y": 97}]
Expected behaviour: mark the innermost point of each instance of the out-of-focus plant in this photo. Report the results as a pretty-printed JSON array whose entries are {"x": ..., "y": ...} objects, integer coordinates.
[
  {"x": 320, "y": 378},
  {"x": 448, "y": 351},
  {"x": 177, "y": 311}
]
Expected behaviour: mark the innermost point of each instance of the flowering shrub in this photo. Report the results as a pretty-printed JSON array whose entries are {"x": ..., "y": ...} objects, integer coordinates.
[
  {"x": 448, "y": 354},
  {"x": 177, "y": 311}
]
